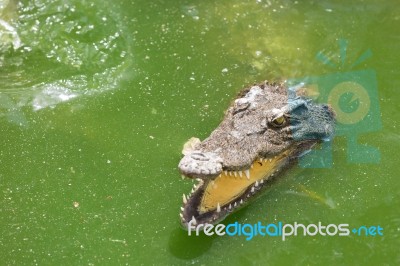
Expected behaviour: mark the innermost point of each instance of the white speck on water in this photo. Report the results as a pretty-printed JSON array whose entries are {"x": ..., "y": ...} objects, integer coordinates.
[
  {"x": 108, "y": 161},
  {"x": 118, "y": 241},
  {"x": 328, "y": 10},
  {"x": 258, "y": 53},
  {"x": 152, "y": 137},
  {"x": 225, "y": 70}
]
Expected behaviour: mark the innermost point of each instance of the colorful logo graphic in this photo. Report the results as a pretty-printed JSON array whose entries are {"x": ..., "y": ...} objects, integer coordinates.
[
  {"x": 353, "y": 94},
  {"x": 284, "y": 230}
]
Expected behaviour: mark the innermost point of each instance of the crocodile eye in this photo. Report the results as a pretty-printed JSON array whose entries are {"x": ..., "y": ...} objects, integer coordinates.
[{"x": 279, "y": 121}]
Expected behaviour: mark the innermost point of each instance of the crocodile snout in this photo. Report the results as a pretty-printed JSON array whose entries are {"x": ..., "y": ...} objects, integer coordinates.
[{"x": 199, "y": 164}]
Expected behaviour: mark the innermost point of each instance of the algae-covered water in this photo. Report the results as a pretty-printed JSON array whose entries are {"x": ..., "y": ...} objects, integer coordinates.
[{"x": 97, "y": 99}]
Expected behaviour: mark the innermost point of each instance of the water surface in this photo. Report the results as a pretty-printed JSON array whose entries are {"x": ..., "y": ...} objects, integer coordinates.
[{"x": 97, "y": 99}]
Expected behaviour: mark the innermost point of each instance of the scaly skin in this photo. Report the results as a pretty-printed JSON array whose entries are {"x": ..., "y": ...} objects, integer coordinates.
[{"x": 263, "y": 130}]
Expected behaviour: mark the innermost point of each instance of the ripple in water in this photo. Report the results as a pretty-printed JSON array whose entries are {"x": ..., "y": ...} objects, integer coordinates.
[{"x": 55, "y": 51}]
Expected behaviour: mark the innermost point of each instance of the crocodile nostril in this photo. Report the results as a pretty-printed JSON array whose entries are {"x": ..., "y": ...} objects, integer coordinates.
[{"x": 199, "y": 156}]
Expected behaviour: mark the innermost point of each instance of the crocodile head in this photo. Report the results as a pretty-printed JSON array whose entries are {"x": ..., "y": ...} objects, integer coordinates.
[{"x": 263, "y": 130}]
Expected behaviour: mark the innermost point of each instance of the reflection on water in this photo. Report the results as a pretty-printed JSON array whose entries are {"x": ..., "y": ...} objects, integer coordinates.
[
  {"x": 52, "y": 94},
  {"x": 53, "y": 52},
  {"x": 8, "y": 34},
  {"x": 186, "y": 247},
  {"x": 301, "y": 190}
]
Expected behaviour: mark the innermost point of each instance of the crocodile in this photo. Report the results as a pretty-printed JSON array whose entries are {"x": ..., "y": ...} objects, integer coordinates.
[{"x": 265, "y": 129}]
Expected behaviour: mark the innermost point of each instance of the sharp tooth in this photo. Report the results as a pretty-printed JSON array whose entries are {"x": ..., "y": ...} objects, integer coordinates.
[
  {"x": 262, "y": 181},
  {"x": 235, "y": 173},
  {"x": 226, "y": 172},
  {"x": 218, "y": 207},
  {"x": 241, "y": 201},
  {"x": 199, "y": 180},
  {"x": 182, "y": 208},
  {"x": 247, "y": 173},
  {"x": 235, "y": 204},
  {"x": 251, "y": 166},
  {"x": 252, "y": 189},
  {"x": 230, "y": 206},
  {"x": 184, "y": 199},
  {"x": 192, "y": 190},
  {"x": 270, "y": 160},
  {"x": 183, "y": 177},
  {"x": 194, "y": 220},
  {"x": 230, "y": 173},
  {"x": 256, "y": 184},
  {"x": 181, "y": 215},
  {"x": 240, "y": 173}
]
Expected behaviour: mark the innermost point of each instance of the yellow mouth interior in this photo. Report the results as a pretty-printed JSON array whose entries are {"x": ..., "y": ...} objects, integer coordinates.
[{"x": 227, "y": 187}]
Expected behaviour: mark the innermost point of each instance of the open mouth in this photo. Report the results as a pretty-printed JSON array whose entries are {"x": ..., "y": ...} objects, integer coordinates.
[
  {"x": 265, "y": 128},
  {"x": 211, "y": 200}
]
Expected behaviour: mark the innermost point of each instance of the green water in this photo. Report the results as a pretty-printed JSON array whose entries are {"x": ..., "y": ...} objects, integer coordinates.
[{"x": 97, "y": 99}]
